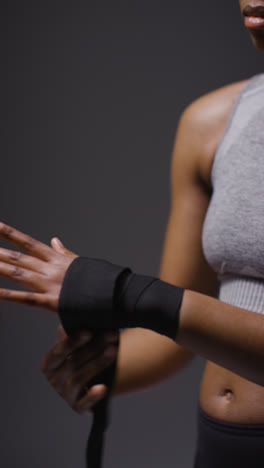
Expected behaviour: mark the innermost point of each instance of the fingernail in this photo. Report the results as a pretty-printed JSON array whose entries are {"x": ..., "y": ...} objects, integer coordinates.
[
  {"x": 101, "y": 388},
  {"x": 57, "y": 240}
]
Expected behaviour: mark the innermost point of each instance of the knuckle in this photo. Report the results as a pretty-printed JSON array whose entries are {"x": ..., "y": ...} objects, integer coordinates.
[
  {"x": 15, "y": 256},
  {"x": 28, "y": 244},
  {"x": 7, "y": 231},
  {"x": 18, "y": 272}
]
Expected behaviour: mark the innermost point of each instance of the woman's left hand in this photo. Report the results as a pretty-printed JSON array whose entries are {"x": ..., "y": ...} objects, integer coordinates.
[
  {"x": 73, "y": 363},
  {"x": 41, "y": 269}
]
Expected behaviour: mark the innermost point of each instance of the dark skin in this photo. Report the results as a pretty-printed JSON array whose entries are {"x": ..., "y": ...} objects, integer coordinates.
[
  {"x": 146, "y": 358},
  {"x": 72, "y": 363},
  {"x": 224, "y": 394},
  {"x": 257, "y": 35},
  {"x": 42, "y": 269}
]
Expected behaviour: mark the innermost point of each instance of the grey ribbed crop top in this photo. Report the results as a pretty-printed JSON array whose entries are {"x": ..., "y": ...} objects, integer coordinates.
[{"x": 233, "y": 231}]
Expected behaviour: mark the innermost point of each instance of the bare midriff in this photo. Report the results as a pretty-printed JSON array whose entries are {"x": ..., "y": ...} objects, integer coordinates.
[
  {"x": 227, "y": 397},
  {"x": 224, "y": 395}
]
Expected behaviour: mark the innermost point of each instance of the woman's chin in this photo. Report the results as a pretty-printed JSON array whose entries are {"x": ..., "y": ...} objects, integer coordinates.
[{"x": 258, "y": 40}]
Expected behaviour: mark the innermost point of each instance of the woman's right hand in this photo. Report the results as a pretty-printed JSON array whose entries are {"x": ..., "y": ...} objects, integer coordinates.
[{"x": 74, "y": 362}]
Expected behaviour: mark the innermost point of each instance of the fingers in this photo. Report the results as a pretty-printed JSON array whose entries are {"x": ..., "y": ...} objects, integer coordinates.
[
  {"x": 59, "y": 247},
  {"x": 63, "y": 348},
  {"x": 90, "y": 398},
  {"x": 24, "y": 277},
  {"x": 25, "y": 242},
  {"x": 82, "y": 348},
  {"x": 73, "y": 385},
  {"x": 89, "y": 354},
  {"x": 45, "y": 277},
  {"x": 18, "y": 258},
  {"x": 70, "y": 367},
  {"x": 26, "y": 298}
]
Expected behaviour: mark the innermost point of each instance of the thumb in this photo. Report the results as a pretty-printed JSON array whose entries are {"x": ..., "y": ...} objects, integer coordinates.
[{"x": 57, "y": 245}]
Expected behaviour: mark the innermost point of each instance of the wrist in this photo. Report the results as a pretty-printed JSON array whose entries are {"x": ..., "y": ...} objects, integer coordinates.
[{"x": 99, "y": 295}]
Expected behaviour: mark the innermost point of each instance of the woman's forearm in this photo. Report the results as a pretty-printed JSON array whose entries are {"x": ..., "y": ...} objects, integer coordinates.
[
  {"x": 227, "y": 335},
  {"x": 146, "y": 359}
]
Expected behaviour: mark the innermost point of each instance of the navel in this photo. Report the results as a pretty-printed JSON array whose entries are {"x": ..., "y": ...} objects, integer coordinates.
[{"x": 228, "y": 394}]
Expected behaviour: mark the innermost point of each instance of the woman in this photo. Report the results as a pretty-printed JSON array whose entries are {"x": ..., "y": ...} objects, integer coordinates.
[{"x": 213, "y": 243}]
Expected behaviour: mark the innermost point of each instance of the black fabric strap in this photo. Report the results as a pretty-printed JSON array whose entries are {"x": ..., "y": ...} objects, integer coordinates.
[
  {"x": 88, "y": 286},
  {"x": 147, "y": 302},
  {"x": 95, "y": 444},
  {"x": 87, "y": 295},
  {"x": 99, "y": 295}
]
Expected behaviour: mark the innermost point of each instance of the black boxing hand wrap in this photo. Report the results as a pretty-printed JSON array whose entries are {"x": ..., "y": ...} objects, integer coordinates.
[
  {"x": 99, "y": 295},
  {"x": 88, "y": 286},
  {"x": 148, "y": 302}
]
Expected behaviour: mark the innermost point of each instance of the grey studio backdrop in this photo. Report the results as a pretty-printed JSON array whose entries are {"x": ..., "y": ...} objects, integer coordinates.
[{"x": 92, "y": 95}]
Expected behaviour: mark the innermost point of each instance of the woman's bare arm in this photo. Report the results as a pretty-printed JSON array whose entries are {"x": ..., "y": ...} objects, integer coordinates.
[{"x": 226, "y": 335}]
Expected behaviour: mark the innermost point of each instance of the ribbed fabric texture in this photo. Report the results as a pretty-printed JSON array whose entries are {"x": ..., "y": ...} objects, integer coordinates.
[
  {"x": 233, "y": 231},
  {"x": 247, "y": 293},
  {"x": 233, "y": 240}
]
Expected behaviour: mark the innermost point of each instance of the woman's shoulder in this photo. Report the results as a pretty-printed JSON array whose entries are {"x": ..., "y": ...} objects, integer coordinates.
[
  {"x": 203, "y": 123},
  {"x": 213, "y": 108}
]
